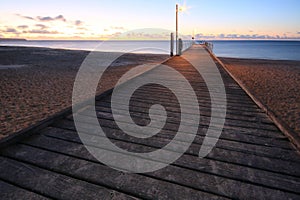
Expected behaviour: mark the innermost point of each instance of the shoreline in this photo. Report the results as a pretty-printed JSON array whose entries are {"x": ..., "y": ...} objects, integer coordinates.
[{"x": 275, "y": 83}]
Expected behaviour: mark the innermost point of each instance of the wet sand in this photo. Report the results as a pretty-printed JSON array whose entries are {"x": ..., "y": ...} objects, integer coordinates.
[
  {"x": 275, "y": 83},
  {"x": 36, "y": 83}
]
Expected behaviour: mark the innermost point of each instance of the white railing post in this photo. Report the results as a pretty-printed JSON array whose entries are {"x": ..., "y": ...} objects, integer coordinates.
[{"x": 172, "y": 44}]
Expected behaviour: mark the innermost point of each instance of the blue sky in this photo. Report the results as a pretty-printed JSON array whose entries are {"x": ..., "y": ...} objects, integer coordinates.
[{"x": 98, "y": 19}]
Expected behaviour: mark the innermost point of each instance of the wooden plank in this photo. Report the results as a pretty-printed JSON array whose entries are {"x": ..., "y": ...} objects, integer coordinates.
[
  {"x": 244, "y": 115},
  {"x": 135, "y": 184},
  {"x": 255, "y": 132},
  {"x": 202, "y": 97},
  {"x": 226, "y": 133},
  {"x": 10, "y": 192},
  {"x": 174, "y": 116},
  {"x": 243, "y": 125},
  {"x": 206, "y": 105},
  {"x": 205, "y": 109},
  {"x": 229, "y": 170},
  {"x": 201, "y": 91},
  {"x": 272, "y": 152},
  {"x": 49, "y": 183},
  {"x": 178, "y": 175},
  {"x": 106, "y": 102},
  {"x": 237, "y": 157}
]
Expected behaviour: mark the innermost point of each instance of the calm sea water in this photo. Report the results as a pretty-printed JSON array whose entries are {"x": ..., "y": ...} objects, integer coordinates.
[
  {"x": 157, "y": 47},
  {"x": 275, "y": 50}
]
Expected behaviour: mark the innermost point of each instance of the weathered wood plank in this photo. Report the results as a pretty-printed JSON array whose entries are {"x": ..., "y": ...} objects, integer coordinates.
[
  {"x": 142, "y": 113},
  {"x": 206, "y": 165},
  {"x": 266, "y": 151},
  {"x": 186, "y": 177},
  {"x": 138, "y": 185},
  {"x": 230, "y": 135},
  {"x": 255, "y": 132},
  {"x": 11, "y": 192},
  {"x": 226, "y": 155},
  {"x": 243, "y": 125},
  {"x": 205, "y": 111},
  {"x": 152, "y": 93},
  {"x": 49, "y": 183}
]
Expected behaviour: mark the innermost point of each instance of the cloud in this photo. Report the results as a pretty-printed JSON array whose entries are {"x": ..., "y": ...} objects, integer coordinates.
[
  {"x": 44, "y": 19},
  {"x": 244, "y": 36},
  {"x": 41, "y": 26},
  {"x": 22, "y": 26},
  {"x": 298, "y": 32},
  {"x": 11, "y": 30},
  {"x": 78, "y": 23},
  {"x": 222, "y": 35},
  {"x": 202, "y": 36},
  {"x": 60, "y": 17},
  {"x": 145, "y": 35},
  {"x": 117, "y": 27},
  {"x": 47, "y": 19},
  {"x": 38, "y": 31},
  {"x": 26, "y": 17}
]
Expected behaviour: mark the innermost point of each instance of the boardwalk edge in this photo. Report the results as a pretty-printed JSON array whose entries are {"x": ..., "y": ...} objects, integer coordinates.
[{"x": 282, "y": 126}]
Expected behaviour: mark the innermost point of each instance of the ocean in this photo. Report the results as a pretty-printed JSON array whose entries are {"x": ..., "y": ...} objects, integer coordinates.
[
  {"x": 134, "y": 46},
  {"x": 275, "y": 50}
]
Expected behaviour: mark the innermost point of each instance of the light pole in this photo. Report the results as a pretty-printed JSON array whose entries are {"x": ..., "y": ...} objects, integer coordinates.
[{"x": 176, "y": 29}]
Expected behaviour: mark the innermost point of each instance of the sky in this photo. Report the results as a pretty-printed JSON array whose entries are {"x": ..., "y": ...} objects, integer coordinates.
[{"x": 103, "y": 19}]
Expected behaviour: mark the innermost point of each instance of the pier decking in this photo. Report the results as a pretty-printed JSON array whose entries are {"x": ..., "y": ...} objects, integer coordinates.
[{"x": 251, "y": 160}]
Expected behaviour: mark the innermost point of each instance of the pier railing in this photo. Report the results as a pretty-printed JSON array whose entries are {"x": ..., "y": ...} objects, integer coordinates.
[{"x": 209, "y": 46}]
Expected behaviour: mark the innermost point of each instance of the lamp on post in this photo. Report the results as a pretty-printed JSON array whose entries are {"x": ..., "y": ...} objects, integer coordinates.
[
  {"x": 178, "y": 9},
  {"x": 176, "y": 38}
]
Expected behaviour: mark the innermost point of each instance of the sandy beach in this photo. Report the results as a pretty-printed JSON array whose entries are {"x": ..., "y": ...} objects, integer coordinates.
[
  {"x": 275, "y": 83},
  {"x": 36, "y": 83}
]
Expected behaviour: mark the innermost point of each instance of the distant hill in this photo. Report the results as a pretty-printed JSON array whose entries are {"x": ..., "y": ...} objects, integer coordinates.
[{"x": 12, "y": 39}]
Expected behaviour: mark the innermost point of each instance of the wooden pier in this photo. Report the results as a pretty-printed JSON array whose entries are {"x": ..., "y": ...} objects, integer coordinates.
[{"x": 251, "y": 160}]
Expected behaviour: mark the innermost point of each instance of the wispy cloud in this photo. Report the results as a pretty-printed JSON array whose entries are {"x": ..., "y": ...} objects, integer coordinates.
[
  {"x": 47, "y": 19},
  {"x": 117, "y": 27},
  {"x": 24, "y": 29},
  {"x": 41, "y": 26},
  {"x": 145, "y": 35},
  {"x": 78, "y": 23},
  {"x": 22, "y": 26},
  {"x": 244, "y": 36},
  {"x": 39, "y": 31},
  {"x": 44, "y": 19},
  {"x": 11, "y": 30},
  {"x": 25, "y": 17}
]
